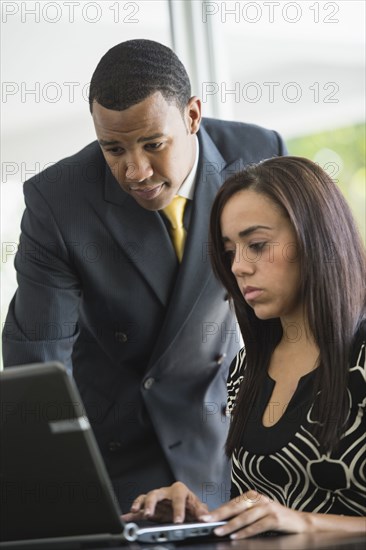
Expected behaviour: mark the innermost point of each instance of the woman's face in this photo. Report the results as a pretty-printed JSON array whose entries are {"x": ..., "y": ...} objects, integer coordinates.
[{"x": 261, "y": 243}]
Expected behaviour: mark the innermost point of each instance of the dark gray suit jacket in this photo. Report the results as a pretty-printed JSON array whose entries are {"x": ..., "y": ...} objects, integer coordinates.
[{"x": 149, "y": 342}]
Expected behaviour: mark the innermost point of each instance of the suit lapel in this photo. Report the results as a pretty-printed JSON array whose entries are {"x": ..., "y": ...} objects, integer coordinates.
[
  {"x": 195, "y": 271},
  {"x": 142, "y": 237}
]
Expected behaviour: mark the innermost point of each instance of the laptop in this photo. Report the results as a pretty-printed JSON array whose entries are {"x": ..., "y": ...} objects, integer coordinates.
[{"x": 54, "y": 484}]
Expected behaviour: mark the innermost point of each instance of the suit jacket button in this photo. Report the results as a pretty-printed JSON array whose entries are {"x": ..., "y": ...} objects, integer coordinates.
[
  {"x": 121, "y": 337},
  {"x": 220, "y": 358},
  {"x": 148, "y": 383},
  {"x": 114, "y": 446}
]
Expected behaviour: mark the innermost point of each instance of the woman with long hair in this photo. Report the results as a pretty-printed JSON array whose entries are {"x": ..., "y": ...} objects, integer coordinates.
[{"x": 286, "y": 248}]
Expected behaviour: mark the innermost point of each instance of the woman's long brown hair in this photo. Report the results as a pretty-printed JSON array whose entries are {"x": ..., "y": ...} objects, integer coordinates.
[{"x": 333, "y": 276}]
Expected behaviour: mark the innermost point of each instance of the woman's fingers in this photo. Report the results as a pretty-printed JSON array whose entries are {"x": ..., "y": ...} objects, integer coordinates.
[
  {"x": 247, "y": 515},
  {"x": 138, "y": 503},
  {"x": 236, "y": 506},
  {"x": 167, "y": 504},
  {"x": 252, "y": 514},
  {"x": 136, "y": 511},
  {"x": 184, "y": 502},
  {"x": 252, "y": 528},
  {"x": 131, "y": 516},
  {"x": 195, "y": 508},
  {"x": 252, "y": 521},
  {"x": 153, "y": 498}
]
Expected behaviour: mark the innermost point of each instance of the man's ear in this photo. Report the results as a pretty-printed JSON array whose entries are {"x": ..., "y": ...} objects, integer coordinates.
[{"x": 193, "y": 114}]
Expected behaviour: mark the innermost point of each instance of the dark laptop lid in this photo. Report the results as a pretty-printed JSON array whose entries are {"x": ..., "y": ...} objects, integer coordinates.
[
  {"x": 55, "y": 489},
  {"x": 53, "y": 479}
]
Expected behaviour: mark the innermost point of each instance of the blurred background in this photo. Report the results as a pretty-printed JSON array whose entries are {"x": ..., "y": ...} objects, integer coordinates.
[{"x": 296, "y": 67}]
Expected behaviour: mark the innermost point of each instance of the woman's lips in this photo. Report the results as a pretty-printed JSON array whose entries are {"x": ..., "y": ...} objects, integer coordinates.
[
  {"x": 251, "y": 293},
  {"x": 147, "y": 193}
]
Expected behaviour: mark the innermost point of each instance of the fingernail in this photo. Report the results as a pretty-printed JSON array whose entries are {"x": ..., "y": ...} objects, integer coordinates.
[
  {"x": 219, "y": 531},
  {"x": 147, "y": 513},
  {"x": 206, "y": 517},
  {"x": 178, "y": 519}
]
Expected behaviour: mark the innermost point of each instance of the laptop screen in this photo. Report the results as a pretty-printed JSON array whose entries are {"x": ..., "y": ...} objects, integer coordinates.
[{"x": 54, "y": 482}]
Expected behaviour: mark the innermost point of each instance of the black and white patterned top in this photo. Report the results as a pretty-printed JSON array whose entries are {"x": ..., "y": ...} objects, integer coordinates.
[{"x": 284, "y": 462}]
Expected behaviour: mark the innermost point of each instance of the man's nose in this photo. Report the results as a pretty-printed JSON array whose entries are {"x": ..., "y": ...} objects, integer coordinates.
[{"x": 138, "y": 169}]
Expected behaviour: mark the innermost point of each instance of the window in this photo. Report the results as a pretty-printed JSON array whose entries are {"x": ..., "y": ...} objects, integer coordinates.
[
  {"x": 49, "y": 51},
  {"x": 299, "y": 68}
]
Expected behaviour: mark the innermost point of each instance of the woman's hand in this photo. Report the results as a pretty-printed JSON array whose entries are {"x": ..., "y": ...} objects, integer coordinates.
[
  {"x": 253, "y": 513},
  {"x": 167, "y": 504}
]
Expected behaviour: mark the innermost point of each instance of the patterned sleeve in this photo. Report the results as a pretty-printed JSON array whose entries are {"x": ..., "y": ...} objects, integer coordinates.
[
  {"x": 235, "y": 378},
  {"x": 296, "y": 472}
]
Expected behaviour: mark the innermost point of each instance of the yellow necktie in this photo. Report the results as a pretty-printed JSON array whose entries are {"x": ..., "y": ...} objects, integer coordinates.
[{"x": 174, "y": 212}]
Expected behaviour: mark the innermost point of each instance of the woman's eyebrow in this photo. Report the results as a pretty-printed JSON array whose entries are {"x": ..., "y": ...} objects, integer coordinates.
[{"x": 247, "y": 231}]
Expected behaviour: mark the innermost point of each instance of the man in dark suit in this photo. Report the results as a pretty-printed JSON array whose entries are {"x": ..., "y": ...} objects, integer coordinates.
[{"x": 104, "y": 287}]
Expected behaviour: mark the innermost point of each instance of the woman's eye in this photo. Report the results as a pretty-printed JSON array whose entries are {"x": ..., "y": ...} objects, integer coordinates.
[{"x": 257, "y": 247}]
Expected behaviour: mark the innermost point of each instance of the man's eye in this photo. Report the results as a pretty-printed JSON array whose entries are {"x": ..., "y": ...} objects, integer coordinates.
[
  {"x": 115, "y": 150},
  {"x": 153, "y": 146}
]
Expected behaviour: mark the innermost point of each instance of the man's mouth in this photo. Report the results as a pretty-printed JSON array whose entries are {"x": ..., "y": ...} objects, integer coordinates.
[{"x": 147, "y": 193}]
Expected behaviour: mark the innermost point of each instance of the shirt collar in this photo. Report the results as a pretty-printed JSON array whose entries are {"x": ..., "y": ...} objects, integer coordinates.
[{"x": 186, "y": 190}]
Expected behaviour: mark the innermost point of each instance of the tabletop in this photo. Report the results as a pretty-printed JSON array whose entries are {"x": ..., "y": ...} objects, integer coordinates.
[{"x": 333, "y": 541}]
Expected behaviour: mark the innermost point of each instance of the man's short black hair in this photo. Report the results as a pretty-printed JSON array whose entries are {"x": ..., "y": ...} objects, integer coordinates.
[{"x": 133, "y": 70}]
